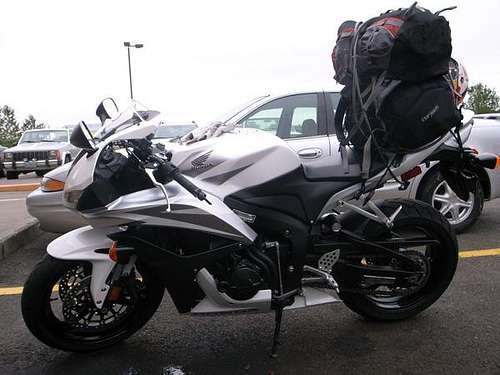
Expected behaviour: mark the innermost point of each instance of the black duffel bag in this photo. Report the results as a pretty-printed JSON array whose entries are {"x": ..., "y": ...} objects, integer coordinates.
[{"x": 415, "y": 114}]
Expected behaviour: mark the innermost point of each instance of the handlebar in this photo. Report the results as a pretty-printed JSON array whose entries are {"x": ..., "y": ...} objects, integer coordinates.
[
  {"x": 161, "y": 170},
  {"x": 167, "y": 171}
]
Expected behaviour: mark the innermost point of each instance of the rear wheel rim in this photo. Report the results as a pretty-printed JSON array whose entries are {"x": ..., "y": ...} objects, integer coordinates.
[
  {"x": 436, "y": 261},
  {"x": 454, "y": 209}
]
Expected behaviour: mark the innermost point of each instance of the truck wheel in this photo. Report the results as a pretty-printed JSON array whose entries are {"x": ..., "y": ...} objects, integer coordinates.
[
  {"x": 12, "y": 175},
  {"x": 460, "y": 213}
]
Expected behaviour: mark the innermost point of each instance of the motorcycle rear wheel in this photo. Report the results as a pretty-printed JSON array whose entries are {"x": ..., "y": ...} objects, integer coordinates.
[
  {"x": 85, "y": 333},
  {"x": 443, "y": 259}
]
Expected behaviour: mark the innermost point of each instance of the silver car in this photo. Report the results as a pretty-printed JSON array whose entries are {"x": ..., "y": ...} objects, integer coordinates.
[
  {"x": 305, "y": 121},
  {"x": 38, "y": 151}
]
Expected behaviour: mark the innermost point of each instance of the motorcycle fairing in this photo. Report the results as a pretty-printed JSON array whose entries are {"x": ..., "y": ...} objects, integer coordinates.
[{"x": 148, "y": 208}]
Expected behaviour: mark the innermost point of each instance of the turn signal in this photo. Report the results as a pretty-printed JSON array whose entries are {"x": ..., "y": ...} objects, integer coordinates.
[
  {"x": 49, "y": 185},
  {"x": 113, "y": 254},
  {"x": 497, "y": 164}
]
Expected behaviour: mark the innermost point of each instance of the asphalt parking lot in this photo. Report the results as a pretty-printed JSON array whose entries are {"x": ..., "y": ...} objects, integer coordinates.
[{"x": 460, "y": 334}]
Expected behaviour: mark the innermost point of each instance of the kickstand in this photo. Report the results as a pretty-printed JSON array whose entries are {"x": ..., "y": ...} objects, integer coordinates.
[{"x": 277, "y": 328}]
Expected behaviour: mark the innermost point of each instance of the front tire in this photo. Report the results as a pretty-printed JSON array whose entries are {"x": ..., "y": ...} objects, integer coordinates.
[
  {"x": 443, "y": 260},
  {"x": 75, "y": 335}
]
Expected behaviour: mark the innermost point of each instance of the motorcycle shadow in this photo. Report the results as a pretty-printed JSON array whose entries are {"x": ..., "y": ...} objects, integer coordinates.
[{"x": 318, "y": 340}]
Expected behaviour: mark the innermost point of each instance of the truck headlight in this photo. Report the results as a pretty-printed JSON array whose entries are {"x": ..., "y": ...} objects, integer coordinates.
[
  {"x": 8, "y": 156},
  {"x": 50, "y": 185},
  {"x": 54, "y": 154}
]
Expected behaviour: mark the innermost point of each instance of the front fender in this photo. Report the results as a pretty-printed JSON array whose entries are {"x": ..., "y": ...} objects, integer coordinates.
[{"x": 80, "y": 244}]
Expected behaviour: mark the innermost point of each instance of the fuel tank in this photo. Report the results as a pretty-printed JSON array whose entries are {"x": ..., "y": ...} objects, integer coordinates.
[{"x": 235, "y": 161}]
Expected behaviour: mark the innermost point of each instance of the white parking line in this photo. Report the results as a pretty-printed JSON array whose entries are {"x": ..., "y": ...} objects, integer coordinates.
[{"x": 12, "y": 199}]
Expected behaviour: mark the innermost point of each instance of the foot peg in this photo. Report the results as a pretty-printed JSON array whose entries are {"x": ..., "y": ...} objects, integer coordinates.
[{"x": 325, "y": 276}]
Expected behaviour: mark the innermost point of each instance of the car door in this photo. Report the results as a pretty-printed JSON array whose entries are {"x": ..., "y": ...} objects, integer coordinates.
[{"x": 300, "y": 120}]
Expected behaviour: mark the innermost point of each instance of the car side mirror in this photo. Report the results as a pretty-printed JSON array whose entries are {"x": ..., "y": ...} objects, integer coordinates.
[{"x": 107, "y": 109}]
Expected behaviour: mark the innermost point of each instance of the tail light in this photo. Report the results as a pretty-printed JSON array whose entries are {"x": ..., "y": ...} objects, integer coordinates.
[{"x": 411, "y": 173}]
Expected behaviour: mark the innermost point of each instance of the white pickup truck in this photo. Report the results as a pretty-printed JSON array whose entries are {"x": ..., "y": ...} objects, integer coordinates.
[{"x": 38, "y": 151}]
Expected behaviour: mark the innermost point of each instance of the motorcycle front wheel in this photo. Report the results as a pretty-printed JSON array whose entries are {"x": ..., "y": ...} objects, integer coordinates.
[
  {"x": 416, "y": 220},
  {"x": 58, "y": 309}
]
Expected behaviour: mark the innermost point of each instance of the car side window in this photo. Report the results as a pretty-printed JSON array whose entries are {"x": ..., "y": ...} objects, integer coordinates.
[
  {"x": 293, "y": 116},
  {"x": 304, "y": 122}
]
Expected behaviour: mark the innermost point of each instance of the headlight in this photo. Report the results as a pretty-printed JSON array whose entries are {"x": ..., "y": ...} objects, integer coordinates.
[
  {"x": 48, "y": 185},
  {"x": 7, "y": 156},
  {"x": 54, "y": 154}
]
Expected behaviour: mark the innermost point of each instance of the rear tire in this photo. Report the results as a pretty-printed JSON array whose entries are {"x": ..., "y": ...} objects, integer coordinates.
[
  {"x": 48, "y": 328},
  {"x": 414, "y": 214},
  {"x": 12, "y": 175},
  {"x": 432, "y": 192}
]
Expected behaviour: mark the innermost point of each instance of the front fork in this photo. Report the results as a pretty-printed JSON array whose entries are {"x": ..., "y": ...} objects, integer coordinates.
[{"x": 94, "y": 246}]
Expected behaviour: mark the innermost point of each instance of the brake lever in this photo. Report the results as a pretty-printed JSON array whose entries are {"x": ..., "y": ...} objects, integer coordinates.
[{"x": 151, "y": 176}]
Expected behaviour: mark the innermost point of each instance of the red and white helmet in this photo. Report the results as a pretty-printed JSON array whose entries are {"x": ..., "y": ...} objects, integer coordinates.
[{"x": 459, "y": 81}]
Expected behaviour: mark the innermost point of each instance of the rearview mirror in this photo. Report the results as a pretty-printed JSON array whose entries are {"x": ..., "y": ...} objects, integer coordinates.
[
  {"x": 107, "y": 109},
  {"x": 81, "y": 137}
]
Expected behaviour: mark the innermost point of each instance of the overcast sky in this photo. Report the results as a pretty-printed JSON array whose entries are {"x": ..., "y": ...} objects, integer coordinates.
[{"x": 201, "y": 58}]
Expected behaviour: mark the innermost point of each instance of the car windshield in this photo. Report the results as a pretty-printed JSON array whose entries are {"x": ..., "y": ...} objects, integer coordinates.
[
  {"x": 174, "y": 131},
  {"x": 45, "y": 136}
]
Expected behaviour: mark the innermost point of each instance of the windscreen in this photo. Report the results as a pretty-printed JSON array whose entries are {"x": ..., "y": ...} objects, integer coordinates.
[
  {"x": 45, "y": 136},
  {"x": 174, "y": 131}
]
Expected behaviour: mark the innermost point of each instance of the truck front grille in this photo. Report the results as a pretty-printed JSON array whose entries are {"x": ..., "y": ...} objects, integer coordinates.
[{"x": 30, "y": 155}]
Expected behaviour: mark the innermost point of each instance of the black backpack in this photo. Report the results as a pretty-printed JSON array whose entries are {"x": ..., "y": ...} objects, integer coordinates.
[
  {"x": 397, "y": 95},
  {"x": 410, "y": 44}
]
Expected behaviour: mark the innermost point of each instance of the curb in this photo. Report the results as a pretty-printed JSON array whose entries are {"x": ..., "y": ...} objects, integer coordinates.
[
  {"x": 22, "y": 236},
  {"x": 18, "y": 187}
]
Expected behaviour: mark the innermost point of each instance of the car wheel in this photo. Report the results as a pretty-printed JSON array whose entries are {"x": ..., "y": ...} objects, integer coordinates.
[
  {"x": 12, "y": 175},
  {"x": 40, "y": 173},
  {"x": 459, "y": 212}
]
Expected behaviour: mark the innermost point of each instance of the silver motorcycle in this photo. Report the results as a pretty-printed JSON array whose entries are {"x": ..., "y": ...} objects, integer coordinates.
[{"x": 232, "y": 223}]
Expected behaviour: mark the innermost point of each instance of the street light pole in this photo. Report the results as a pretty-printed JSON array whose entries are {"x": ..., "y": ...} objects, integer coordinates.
[{"x": 128, "y": 45}]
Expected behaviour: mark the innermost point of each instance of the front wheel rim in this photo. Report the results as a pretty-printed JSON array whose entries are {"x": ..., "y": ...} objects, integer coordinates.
[
  {"x": 454, "y": 209},
  {"x": 70, "y": 332}
]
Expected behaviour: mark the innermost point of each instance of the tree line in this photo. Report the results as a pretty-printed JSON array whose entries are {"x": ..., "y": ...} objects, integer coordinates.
[
  {"x": 482, "y": 99},
  {"x": 11, "y": 129}
]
